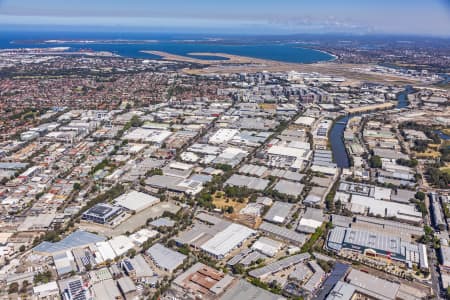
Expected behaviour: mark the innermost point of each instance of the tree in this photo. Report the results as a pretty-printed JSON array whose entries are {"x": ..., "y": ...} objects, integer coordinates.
[
  {"x": 13, "y": 288},
  {"x": 24, "y": 287},
  {"x": 230, "y": 209},
  {"x": 22, "y": 248},
  {"x": 420, "y": 195},
  {"x": 375, "y": 161},
  {"x": 76, "y": 186},
  {"x": 238, "y": 269},
  {"x": 131, "y": 253},
  {"x": 135, "y": 121},
  {"x": 406, "y": 162}
]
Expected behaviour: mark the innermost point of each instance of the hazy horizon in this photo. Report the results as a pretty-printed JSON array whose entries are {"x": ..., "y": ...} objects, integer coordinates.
[{"x": 285, "y": 17}]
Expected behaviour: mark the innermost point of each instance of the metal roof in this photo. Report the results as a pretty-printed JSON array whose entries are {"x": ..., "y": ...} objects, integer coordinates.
[
  {"x": 278, "y": 212},
  {"x": 76, "y": 239},
  {"x": 283, "y": 233},
  {"x": 279, "y": 265},
  {"x": 245, "y": 290},
  {"x": 136, "y": 201},
  {"x": 165, "y": 258},
  {"x": 247, "y": 181},
  {"x": 228, "y": 239},
  {"x": 289, "y": 187}
]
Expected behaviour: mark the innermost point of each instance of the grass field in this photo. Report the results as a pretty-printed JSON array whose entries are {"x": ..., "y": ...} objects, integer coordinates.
[
  {"x": 446, "y": 170},
  {"x": 221, "y": 201},
  {"x": 428, "y": 154}
]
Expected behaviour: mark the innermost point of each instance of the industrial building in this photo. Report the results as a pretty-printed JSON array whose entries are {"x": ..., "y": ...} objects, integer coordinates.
[
  {"x": 279, "y": 265},
  {"x": 165, "y": 258},
  {"x": 245, "y": 290},
  {"x": 135, "y": 201},
  {"x": 289, "y": 188},
  {"x": 248, "y": 182},
  {"x": 267, "y": 246},
  {"x": 378, "y": 245},
  {"x": 226, "y": 240},
  {"x": 311, "y": 220},
  {"x": 278, "y": 212},
  {"x": 282, "y": 233},
  {"x": 74, "y": 240},
  {"x": 201, "y": 281},
  {"x": 101, "y": 213},
  {"x": 436, "y": 213}
]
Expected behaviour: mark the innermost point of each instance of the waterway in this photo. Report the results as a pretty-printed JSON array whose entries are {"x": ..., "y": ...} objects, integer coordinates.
[
  {"x": 132, "y": 45},
  {"x": 340, "y": 154},
  {"x": 442, "y": 135}
]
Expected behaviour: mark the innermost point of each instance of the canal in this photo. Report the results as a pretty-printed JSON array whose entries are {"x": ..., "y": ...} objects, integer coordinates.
[{"x": 340, "y": 154}]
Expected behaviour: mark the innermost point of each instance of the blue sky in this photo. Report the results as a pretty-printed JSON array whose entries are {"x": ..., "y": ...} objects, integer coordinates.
[{"x": 422, "y": 17}]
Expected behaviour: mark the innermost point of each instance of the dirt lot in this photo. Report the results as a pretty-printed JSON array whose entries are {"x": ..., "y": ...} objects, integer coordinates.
[{"x": 223, "y": 202}]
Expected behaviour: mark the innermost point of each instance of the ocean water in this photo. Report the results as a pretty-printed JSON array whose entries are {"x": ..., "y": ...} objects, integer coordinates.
[{"x": 175, "y": 44}]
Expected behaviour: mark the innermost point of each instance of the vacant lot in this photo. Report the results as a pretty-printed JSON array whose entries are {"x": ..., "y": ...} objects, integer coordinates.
[{"x": 221, "y": 201}]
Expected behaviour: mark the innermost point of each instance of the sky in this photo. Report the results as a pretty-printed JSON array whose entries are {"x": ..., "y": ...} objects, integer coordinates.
[{"x": 412, "y": 17}]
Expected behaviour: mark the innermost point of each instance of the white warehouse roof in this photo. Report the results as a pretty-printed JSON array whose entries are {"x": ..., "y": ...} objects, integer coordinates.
[
  {"x": 228, "y": 239},
  {"x": 121, "y": 244},
  {"x": 267, "y": 246},
  {"x": 288, "y": 151},
  {"x": 223, "y": 135},
  {"x": 136, "y": 201}
]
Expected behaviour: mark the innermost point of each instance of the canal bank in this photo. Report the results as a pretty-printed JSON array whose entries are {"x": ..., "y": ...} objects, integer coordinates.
[
  {"x": 336, "y": 136},
  {"x": 340, "y": 155}
]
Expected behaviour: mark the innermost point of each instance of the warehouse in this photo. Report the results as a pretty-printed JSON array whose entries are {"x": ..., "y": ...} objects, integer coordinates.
[
  {"x": 201, "y": 282},
  {"x": 373, "y": 286},
  {"x": 282, "y": 233},
  {"x": 174, "y": 184},
  {"x": 444, "y": 253},
  {"x": 230, "y": 156},
  {"x": 311, "y": 220},
  {"x": 156, "y": 137},
  {"x": 101, "y": 213},
  {"x": 301, "y": 154},
  {"x": 279, "y": 212},
  {"x": 246, "y": 290},
  {"x": 226, "y": 240},
  {"x": 204, "y": 149},
  {"x": 246, "y": 258},
  {"x": 106, "y": 289},
  {"x": 305, "y": 121},
  {"x": 316, "y": 196},
  {"x": 223, "y": 135},
  {"x": 248, "y": 182},
  {"x": 177, "y": 169},
  {"x": 359, "y": 204},
  {"x": 254, "y": 170},
  {"x": 76, "y": 239},
  {"x": 267, "y": 246},
  {"x": 136, "y": 201},
  {"x": 165, "y": 258},
  {"x": 285, "y": 174},
  {"x": 376, "y": 244},
  {"x": 289, "y": 188},
  {"x": 279, "y": 265},
  {"x": 121, "y": 244}
]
